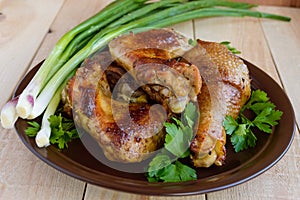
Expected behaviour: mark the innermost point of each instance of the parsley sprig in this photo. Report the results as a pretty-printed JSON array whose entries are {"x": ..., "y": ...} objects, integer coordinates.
[
  {"x": 230, "y": 48},
  {"x": 63, "y": 130},
  {"x": 240, "y": 129},
  {"x": 177, "y": 142}
]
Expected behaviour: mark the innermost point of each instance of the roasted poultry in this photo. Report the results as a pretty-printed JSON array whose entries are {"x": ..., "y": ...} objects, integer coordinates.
[
  {"x": 225, "y": 89},
  {"x": 112, "y": 94},
  {"x": 102, "y": 91},
  {"x": 151, "y": 59},
  {"x": 125, "y": 132}
]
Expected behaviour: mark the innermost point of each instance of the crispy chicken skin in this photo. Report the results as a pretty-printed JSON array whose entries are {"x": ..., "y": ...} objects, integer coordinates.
[
  {"x": 127, "y": 132},
  {"x": 110, "y": 94},
  {"x": 225, "y": 89},
  {"x": 156, "y": 43},
  {"x": 169, "y": 82},
  {"x": 150, "y": 58}
]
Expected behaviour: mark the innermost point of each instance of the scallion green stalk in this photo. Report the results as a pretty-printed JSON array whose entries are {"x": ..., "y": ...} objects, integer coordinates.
[
  {"x": 113, "y": 11},
  {"x": 45, "y": 96},
  {"x": 215, "y": 12},
  {"x": 42, "y": 138},
  {"x": 166, "y": 17},
  {"x": 117, "y": 18}
]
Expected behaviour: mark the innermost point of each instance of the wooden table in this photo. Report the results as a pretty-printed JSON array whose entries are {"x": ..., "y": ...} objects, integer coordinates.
[{"x": 28, "y": 31}]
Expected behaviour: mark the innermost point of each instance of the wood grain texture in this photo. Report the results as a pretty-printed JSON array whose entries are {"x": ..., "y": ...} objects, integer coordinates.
[
  {"x": 284, "y": 43},
  {"x": 94, "y": 192},
  {"x": 23, "y": 26},
  {"x": 251, "y": 38},
  {"x": 271, "y": 45},
  {"x": 72, "y": 13},
  {"x": 24, "y": 176}
]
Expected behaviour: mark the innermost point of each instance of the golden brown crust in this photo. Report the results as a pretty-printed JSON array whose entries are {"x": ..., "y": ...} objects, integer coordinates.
[
  {"x": 126, "y": 132},
  {"x": 171, "y": 83},
  {"x": 225, "y": 89},
  {"x": 150, "y": 57},
  {"x": 156, "y": 43}
]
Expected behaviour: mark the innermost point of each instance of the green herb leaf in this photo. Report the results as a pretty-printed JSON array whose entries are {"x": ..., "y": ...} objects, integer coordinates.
[
  {"x": 266, "y": 117},
  {"x": 243, "y": 138},
  {"x": 230, "y": 48},
  {"x": 192, "y": 42},
  {"x": 230, "y": 125},
  {"x": 185, "y": 172},
  {"x": 177, "y": 142},
  {"x": 63, "y": 130},
  {"x": 179, "y": 135},
  {"x": 33, "y": 129},
  {"x": 190, "y": 114},
  {"x": 257, "y": 96},
  {"x": 161, "y": 169}
]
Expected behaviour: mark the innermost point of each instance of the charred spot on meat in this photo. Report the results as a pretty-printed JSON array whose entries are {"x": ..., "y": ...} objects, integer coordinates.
[
  {"x": 126, "y": 86},
  {"x": 126, "y": 131},
  {"x": 151, "y": 58},
  {"x": 169, "y": 82}
]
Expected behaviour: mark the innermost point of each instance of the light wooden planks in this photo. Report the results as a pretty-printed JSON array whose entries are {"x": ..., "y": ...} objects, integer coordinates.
[
  {"x": 248, "y": 36},
  {"x": 23, "y": 25},
  {"x": 284, "y": 42},
  {"x": 22, "y": 175},
  {"x": 94, "y": 192},
  {"x": 27, "y": 180}
]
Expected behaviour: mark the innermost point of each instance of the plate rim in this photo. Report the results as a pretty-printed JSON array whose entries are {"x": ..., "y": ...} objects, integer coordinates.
[{"x": 168, "y": 189}]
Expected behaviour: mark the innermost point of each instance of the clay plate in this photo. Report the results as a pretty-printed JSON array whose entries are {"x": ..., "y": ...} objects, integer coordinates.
[{"x": 240, "y": 167}]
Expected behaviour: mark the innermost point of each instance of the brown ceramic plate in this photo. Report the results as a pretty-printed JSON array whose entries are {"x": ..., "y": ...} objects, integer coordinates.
[{"x": 240, "y": 167}]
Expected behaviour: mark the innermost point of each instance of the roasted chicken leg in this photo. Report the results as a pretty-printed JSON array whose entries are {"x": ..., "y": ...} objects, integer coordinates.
[
  {"x": 126, "y": 131},
  {"x": 225, "y": 89},
  {"x": 112, "y": 94}
]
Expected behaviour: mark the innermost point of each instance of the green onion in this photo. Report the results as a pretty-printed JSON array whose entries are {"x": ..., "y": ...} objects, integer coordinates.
[
  {"x": 53, "y": 62},
  {"x": 9, "y": 114},
  {"x": 99, "y": 41},
  {"x": 42, "y": 138},
  {"x": 119, "y": 17},
  {"x": 214, "y": 12}
]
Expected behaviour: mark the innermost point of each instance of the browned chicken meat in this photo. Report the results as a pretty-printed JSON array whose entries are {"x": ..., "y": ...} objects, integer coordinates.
[
  {"x": 127, "y": 132},
  {"x": 150, "y": 58},
  {"x": 169, "y": 82},
  {"x": 225, "y": 89},
  {"x": 113, "y": 93},
  {"x": 156, "y": 43}
]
